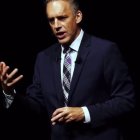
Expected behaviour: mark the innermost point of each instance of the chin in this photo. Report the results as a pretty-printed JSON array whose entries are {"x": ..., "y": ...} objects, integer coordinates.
[{"x": 64, "y": 41}]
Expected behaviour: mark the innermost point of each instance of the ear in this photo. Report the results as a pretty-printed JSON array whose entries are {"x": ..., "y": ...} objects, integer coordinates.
[{"x": 79, "y": 16}]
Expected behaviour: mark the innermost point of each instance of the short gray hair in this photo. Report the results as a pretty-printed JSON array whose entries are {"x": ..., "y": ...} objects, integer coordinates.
[{"x": 74, "y": 3}]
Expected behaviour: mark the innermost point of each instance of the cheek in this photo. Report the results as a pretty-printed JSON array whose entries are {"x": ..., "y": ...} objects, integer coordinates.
[{"x": 72, "y": 28}]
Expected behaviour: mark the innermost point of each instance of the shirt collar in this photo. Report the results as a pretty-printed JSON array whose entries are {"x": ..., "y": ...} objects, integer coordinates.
[{"x": 76, "y": 43}]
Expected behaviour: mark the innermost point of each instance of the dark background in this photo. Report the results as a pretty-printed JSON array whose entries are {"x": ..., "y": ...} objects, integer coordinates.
[{"x": 24, "y": 32}]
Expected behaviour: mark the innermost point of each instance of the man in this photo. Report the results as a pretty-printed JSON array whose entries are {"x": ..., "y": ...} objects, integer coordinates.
[{"x": 81, "y": 82}]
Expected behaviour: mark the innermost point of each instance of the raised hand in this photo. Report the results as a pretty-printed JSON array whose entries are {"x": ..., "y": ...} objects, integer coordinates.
[{"x": 8, "y": 79}]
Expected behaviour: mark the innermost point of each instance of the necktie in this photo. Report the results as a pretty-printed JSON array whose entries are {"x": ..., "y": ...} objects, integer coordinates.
[{"x": 66, "y": 75}]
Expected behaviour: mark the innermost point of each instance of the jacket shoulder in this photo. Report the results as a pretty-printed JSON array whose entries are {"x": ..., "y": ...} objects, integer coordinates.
[
  {"x": 49, "y": 50},
  {"x": 97, "y": 41}
]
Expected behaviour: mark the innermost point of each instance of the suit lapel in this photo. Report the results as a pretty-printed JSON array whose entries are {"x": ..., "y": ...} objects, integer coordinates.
[
  {"x": 57, "y": 74},
  {"x": 81, "y": 59}
]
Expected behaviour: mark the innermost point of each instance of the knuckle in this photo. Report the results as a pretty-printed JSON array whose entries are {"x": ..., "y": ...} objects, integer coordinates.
[
  {"x": 8, "y": 85},
  {"x": 8, "y": 76},
  {"x": 70, "y": 115},
  {"x": 72, "y": 118}
]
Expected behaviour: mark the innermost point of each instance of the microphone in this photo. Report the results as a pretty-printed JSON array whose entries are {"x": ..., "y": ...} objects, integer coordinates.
[{"x": 78, "y": 60}]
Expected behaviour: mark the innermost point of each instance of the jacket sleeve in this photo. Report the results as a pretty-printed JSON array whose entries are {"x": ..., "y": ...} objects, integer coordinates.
[{"x": 121, "y": 101}]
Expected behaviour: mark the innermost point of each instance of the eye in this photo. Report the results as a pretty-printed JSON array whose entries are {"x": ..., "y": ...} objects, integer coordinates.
[
  {"x": 51, "y": 20},
  {"x": 62, "y": 18}
]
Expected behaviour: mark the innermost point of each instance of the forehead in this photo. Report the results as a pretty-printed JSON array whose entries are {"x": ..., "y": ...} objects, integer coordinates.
[{"x": 55, "y": 8}]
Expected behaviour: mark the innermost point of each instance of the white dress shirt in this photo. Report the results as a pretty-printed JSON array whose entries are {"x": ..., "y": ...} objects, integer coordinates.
[{"x": 75, "y": 47}]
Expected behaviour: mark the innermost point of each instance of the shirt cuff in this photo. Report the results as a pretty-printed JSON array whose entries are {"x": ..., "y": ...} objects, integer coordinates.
[
  {"x": 87, "y": 115},
  {"x": 9, "y": 98}
]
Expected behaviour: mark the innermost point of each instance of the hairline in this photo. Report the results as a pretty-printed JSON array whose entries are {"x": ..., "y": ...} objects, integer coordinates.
[{"x": 75, "y": 5}]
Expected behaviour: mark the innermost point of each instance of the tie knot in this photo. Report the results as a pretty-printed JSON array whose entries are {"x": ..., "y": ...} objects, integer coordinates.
[{"x": 67, "y": 49}]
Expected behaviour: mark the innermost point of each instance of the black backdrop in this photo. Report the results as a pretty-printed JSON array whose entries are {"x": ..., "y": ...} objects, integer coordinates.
[{"x": 24, "y": 32}]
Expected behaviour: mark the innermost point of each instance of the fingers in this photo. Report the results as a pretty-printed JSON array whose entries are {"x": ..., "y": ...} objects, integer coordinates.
[
  {"x": 15, "y": 81},
  {"x": 11, "y": 75},
  {"x": 67, "y": 114},
  {"x": 1, "y": 64},
  {"x": 60, "y": 110},
  {"x": 3, "y": 72},
  {"x": 59, "y": 115},
  {"x": 8, "y": 80},
  {"x": 68, "y": 118},
  {"x": 62, "y": 115}
]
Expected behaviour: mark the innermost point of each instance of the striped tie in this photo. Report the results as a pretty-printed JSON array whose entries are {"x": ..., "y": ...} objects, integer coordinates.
[{"x": 67, "y": 75}]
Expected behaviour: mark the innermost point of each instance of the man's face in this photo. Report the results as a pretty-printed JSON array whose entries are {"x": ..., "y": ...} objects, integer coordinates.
[{"x": 63, "y": 21}]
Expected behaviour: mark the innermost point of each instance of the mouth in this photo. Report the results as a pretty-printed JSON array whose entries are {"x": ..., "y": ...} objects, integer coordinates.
[{"x": 60, "y": 35}]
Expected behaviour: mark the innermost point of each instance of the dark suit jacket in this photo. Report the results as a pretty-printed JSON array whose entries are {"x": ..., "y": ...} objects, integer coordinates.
[{"x": 100, "y": 82}]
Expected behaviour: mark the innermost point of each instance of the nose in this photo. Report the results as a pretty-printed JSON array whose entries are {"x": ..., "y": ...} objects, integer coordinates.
[{"x": 57, "y": 25}]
